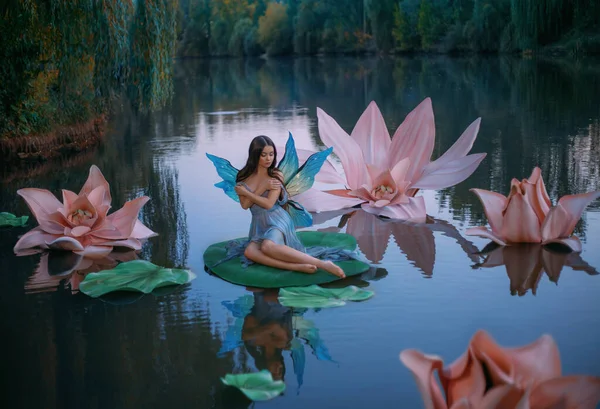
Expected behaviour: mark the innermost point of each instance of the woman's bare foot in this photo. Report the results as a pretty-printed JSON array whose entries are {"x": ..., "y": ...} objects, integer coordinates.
[
  {"x": 333, "y": 269},
  {"x": 307, "y": 268}
]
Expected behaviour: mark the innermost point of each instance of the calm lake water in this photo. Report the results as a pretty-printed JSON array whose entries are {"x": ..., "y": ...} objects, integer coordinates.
[{"x": 63, "y": 349}]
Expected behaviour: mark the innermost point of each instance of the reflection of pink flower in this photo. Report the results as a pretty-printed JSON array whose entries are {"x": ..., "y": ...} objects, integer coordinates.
[
  {"x": 489, "y": 376},
  {"x": 526, "y": 263},
  {"x": 415, "y": 240},
  {"x": 384, "y": 175},
  {"x": 81, "y": 223},
  {"x": 72, "y": 267},
  {"x": 527, "y": 215}
]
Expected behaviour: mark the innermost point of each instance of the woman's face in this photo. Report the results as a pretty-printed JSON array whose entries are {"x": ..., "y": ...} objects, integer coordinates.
[{"x": 267, "y": 156}]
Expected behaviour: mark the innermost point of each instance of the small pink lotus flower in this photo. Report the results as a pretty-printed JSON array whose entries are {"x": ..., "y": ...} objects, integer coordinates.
[
  {"x": 527, "y": 215},
  {"x": 488, "y": 376},
  {"x": 81, "y": 223},
  {"x": 383, "y": 174}
]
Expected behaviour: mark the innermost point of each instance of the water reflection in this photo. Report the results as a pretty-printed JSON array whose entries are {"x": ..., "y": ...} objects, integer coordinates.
[
  {"x": 526, "y": 263},
  {"x": 70, "y": 269},
  {"x": 416, "y": 241}
]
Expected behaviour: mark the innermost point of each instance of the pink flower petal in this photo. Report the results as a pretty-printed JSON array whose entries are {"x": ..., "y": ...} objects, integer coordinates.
[
  {"x": 538, "y": 361},
  {"x": 568, "y": 392},
  {"x": 141, "y": 232},
  {"x": 345, "y": 148},
  {"x": 362, "y": 192},
  {"x": 80, "y": 231},
  {"x": 83, "y": 203},
  {"x": 95, "y": 179},
  {"x": 399, "y": 171},
  {"x": 459, "y": 149},
  {"x": 542, "y": 199},
  {"x": 120, "y": 224},
  {"x": 505, "y": 397},
  {"x": 315, "y": 200},
  {"x": 536, "y": 202},
  {"x": 65, "y": 243},
  {"x": 485, "y": 233},
  {"x": 451, "y": 174},
  {"x": 35, "y": 237},
  {"x": 423, "y": 367},
  {"x": 493, "y": 205},
  {"x": 44, "y": 207},
  {"x": 414, "y": 210},
  {"x": 372, "y": 136},
  {"x": 572, "y": 242},
  {"x": 414, "y": 139},
  {"x": 68, "y": 200},
  {"x": 95, "y": 252},
  {"x": 520, "y": 223},
  {"x": 562, "y": 219}
]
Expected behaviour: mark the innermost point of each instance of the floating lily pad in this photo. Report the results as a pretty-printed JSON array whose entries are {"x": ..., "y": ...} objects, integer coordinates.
[
  {"x": 9, "y": 219},
  {"x": 136, "y": 275},
  {"x": 315, "y": 296},
  {"x": 256, "y": 386}
]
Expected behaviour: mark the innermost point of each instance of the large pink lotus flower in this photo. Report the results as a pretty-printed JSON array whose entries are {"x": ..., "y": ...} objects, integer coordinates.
[
  {"x": 527, "y": 215},
  {"x": 488, "y": 376},
  {"x": 82, "y": 223},
  {"x": 383, "y": 174},
  {"x": 526, "y": 263}
]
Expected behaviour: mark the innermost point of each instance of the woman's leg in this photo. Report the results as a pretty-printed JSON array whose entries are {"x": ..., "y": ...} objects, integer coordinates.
[
  {"x": 254, "y": 253},
  {"x": 290, "y": 255}
]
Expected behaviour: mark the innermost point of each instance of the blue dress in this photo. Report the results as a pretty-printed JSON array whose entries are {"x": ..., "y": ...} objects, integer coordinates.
[{"x": 275, "y": 224}]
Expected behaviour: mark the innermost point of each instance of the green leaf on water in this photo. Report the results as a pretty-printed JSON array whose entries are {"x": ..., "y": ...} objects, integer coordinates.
[
  {"x": 256, "y": 386},
  {"x": 9, "y": 219},
  {"x": 136, "y": 275},
  {"x": 315, "y": 296}
]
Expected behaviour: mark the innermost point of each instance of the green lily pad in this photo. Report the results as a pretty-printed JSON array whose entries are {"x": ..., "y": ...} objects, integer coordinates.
[
  {"x": 318, "y": 297},
  {"x": 260, "y": 276},
  {"x": 256, "y": 386},
  {"x": 9, "y": 219},
  {"x": 136, "y": 275}
]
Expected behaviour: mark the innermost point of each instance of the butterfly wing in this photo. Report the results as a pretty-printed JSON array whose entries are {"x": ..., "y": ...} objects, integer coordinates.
[
  {"x": 299, "y": 215},
  {"x": 305, "y": 177},
  {"x": 228, "y": 172},
  {"x": 289, "y": 164}
]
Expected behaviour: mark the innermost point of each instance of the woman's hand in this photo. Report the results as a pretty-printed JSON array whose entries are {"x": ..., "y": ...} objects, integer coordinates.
[
  {"x": 241, "y": 190},
  {"x": 274, "y": 184}
]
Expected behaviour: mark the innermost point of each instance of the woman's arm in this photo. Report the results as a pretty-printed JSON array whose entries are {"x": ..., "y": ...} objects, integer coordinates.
[{"x": 264, "y": 202}]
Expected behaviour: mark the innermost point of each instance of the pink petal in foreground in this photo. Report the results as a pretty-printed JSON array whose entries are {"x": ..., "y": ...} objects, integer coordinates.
[
  {"x": 399, "y": 171},
  {"x": 65, "y": 243},
  {"x": 539, "y": 361},
  {"x": 414, "y": 210},
  {"x": 562, "y": 218},
  {"x": 95, "y": 179},
  {"x": 345, "y": 148},
  {"x": 451, "y": 174},
  {"x": 422, "y": 367},
  {"x": 94, "y": 252},
  {"x": 493, "y": 205},
  {"x": 36, "y": 237},
  {"x": 315, "y": 200},
  {"x": 414, "y": 139},
  {"x": 459, "y": 149},
  {"x": 485, "y": 233},
  {"x": 568, "y": 392},
  {"x": 44, "y": 207},
  {"x": 520, "y": 223},
  {"x": 120, "y": 224},
  {"x": 372, "y": 136},
  {"x": 572, "y": 242}
]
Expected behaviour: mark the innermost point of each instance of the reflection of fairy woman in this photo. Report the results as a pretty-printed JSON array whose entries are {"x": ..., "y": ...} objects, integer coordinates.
[{"x": 267, "y": 332}]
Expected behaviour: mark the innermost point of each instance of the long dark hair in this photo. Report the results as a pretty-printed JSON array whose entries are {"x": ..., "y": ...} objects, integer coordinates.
[{"x": 256, "y": 147}]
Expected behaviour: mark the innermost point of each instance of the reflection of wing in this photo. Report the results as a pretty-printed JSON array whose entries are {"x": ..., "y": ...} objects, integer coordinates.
[
  {"x": 307, "y": 331},
  {"x": 289, "y": 164},
  {"x": 305, "y": 177},
  {"x": 299, "y": 215},
  {"x": 240, "y": 307},
  {"x": 233, "y": 337},
  {"x": 226, "y": 170},
  {"x": 299, "y": 360}
]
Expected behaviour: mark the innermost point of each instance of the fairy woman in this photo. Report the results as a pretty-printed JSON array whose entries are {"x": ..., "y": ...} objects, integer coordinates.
[{"x": 272, "y": 238}]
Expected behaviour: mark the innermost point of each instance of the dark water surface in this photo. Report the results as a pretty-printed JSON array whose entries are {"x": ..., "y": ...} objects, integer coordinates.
[{"x": 63, "y": 349}]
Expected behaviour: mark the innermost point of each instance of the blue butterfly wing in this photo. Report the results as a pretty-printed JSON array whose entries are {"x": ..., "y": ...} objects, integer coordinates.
[
  {"x": 233, "y": 338},
  {"x": 298, "y": 359},
  {"x": 305, "y": 177},
  {"x": 289, "y": 164},
  {"x": 299, "y": 215},
  {"x": 226, "y": 171}
]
